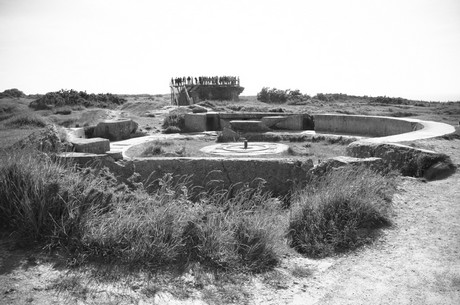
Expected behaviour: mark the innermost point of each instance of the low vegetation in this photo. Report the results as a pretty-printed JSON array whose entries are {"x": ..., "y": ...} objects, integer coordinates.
[
  {"x": 340, "y": 211},
  {"x": 12, "y": 93},
  {"x": 90, "y": 214},
  {"x": 158, "y": 148},
  {"x": 174, "y": 122},
  {"x": 278, "y": 96},
  {"x": 76, "y": 98},
  {"x": 30, "y": 120}
]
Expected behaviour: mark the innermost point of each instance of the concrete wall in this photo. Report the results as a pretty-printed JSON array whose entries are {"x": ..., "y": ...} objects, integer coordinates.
[
  {"x": 373, "y": 126},
  {"x": 280, "y": 174}
]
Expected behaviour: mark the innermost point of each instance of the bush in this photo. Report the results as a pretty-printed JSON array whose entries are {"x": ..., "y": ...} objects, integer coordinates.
[
  {"x": 340, "y": 212},
  {"x": 174, "y": 120},
  {"x": 277, "y": 96},
  {"x": 75, "y": 98},
  {"x": 12, "y": 93},
  {"x": 389, "y": 100}
]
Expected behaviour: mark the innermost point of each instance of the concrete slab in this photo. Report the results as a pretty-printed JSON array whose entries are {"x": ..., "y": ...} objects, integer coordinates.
[
  {"x": 195, "y": 122},
  {"x": 115, "y": 130},
  {"x": 93, "y": 145}
]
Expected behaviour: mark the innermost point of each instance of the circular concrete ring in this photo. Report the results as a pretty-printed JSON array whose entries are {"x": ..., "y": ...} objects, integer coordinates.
[{"x": 253, "y": 149}]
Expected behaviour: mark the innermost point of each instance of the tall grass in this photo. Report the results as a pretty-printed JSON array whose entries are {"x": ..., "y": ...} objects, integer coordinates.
[
  {"x": 340, "y": 211},
  {"x": 238, "y": 229},
  {"x": 88, "y": 214},
  {"x": 40, "y": 199}
]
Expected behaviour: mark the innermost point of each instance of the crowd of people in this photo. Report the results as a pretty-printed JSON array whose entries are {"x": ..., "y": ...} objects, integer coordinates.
[{"x": 206, "y": 80}]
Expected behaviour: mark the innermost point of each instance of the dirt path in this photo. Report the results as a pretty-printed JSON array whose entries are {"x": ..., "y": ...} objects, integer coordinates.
[{"x": 415, "y": 262}]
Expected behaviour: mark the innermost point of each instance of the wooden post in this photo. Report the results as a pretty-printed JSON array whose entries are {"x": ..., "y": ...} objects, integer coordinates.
[{"x": 188, "y": 97}]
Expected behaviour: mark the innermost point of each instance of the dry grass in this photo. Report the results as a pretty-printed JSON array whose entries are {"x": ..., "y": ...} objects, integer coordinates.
[{"x": 340, "y": 211}]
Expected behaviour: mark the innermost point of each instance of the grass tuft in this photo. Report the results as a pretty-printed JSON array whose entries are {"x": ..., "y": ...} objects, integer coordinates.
[{"x": 340, "y": 212}]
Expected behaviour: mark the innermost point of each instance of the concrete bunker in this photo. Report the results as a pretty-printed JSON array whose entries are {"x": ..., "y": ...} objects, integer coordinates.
[{"x": 281, "y": 174}]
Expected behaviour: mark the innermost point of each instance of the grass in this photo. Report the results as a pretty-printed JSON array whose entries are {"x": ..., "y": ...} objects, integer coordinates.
[
  {"x": 158, "y": 148},
  {"x": 30, "y": 120},
  {"x": 340, "y": 211},
  {"x": 239, "y": 229},
  {"x": 91, "y": 216}
]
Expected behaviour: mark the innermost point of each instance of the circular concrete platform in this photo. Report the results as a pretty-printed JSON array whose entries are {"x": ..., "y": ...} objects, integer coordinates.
[{"x": 253, "y": 149}]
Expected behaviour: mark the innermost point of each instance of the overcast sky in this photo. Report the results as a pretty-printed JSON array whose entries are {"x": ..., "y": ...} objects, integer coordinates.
[{"x": 406, "y": 48}]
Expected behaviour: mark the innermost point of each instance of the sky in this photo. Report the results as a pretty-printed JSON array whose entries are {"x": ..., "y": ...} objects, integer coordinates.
[{"x": 397, "y": 48}]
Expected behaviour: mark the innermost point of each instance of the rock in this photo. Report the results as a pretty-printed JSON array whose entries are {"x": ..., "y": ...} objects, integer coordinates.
[
  {"x": 408, "y": 160},
  {"x": 115, "y": 130},
  {"x": 115, "y": 155},
  {"x": 336, "y": 162},
  {"x": 93, "y": 146}
]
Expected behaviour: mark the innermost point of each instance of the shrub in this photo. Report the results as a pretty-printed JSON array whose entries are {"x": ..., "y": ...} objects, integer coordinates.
[
  {"x": 75, "y": 98},
  {"x": 322, "y": 97},
  {"x": 277, "y": 96},
  {"x": 340, "y": 211},
  {"x": 267, "y": 95},
  {"x": 174, "y": 120},
  {"x": 389, "y": 100},
  {"x": 15, "y": 93}
]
